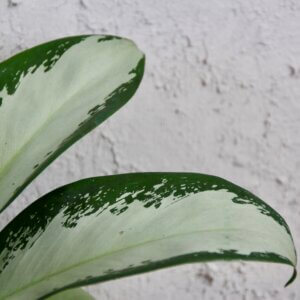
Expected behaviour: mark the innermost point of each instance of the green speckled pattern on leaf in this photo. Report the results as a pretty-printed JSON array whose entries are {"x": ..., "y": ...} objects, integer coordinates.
[
  {"x": 107, "y": 227},
  {"x": 55, "y": 93},
  {"x": 14, "y": 69}
]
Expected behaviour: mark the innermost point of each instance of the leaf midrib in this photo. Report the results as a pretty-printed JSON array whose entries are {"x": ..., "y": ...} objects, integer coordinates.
[{"x": 114, "y": 252}]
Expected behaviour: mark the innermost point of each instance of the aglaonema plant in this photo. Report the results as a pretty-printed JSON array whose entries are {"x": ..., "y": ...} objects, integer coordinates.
[{"x": 103, "y": 228}]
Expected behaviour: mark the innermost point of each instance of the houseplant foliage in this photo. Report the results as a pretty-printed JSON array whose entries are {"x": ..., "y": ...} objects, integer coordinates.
[{"x": 102, "y": 228}]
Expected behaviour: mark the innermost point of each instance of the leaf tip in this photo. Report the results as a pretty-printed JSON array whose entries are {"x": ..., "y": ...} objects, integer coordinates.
[{"x": 293, "y": 277}]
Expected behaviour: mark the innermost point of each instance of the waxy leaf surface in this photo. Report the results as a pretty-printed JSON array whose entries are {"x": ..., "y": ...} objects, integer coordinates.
[
  {"x": 53, "y": 94},
  {"x": 102, "y": 228}
]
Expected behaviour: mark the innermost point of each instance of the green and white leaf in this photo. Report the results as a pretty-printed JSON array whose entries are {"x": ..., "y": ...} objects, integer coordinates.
[
  {"x": 53, "y": 94},
  {"x": 102, "y": 228},
  {"x": 74, "y": 294}
]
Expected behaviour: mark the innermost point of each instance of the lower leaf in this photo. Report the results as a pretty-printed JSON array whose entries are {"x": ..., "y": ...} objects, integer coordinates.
[
  {"x": 103, "y": 228},
  {"x": 74, "y": 294}
]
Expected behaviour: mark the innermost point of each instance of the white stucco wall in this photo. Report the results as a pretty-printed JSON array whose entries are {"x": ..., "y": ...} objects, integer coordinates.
[{"x": 221, "y": 95}]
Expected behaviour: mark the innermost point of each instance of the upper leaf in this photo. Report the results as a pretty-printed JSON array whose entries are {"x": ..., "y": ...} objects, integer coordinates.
[
  {"x": 53, "y": 94},
  {"x": 108, "y": 227}
]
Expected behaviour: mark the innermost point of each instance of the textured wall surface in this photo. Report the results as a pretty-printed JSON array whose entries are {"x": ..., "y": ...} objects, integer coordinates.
[{"x": 221, "y": 95}]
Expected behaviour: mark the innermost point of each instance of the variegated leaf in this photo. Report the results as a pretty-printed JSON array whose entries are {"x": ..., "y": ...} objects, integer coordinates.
[
  {"x": 74, "y": 294},
  {"x": 53, "y": 94},
  {"x": 107, "y": 227}
]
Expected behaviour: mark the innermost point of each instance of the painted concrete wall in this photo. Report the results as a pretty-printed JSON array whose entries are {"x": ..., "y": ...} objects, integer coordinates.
[{"x": 221, "y": 95}]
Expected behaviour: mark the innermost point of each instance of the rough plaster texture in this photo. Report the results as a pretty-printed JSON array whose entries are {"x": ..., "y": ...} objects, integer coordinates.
[{"x": 221, "y": 95}]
